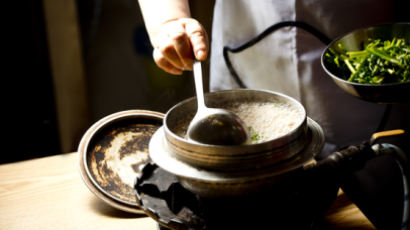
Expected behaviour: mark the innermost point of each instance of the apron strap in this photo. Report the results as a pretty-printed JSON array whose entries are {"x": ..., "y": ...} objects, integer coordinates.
[{"x": 319, "y": 35}]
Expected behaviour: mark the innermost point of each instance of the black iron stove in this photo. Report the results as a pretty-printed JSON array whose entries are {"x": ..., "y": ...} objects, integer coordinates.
[{"x": 296, "y": 202}]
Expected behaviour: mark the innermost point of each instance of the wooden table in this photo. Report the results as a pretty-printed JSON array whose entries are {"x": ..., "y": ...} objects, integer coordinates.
[{"x": 48, "y": 193}]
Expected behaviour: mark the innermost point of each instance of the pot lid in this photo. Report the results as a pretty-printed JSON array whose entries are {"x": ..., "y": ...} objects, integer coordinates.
[{"x": 111, "y": 151}]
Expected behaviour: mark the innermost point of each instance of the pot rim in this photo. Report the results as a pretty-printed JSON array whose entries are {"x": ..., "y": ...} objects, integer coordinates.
[{"x": 159, "y": 153}]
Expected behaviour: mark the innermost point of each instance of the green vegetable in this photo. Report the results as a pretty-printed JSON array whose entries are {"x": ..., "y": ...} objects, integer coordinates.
[
  {"x": 379, "y": 62},
  {"x": 254, "y": 136}
]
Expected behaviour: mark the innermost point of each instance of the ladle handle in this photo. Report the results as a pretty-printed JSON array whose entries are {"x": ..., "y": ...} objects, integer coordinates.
[{"x": 199, "y": 85}]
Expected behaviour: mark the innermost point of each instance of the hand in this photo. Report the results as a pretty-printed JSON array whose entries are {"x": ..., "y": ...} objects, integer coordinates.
[{"x": 176, "y": 42}]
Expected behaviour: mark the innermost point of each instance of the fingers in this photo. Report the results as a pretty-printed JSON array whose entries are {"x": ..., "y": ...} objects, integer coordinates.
[
  {"x": 175, "y": 46},
  {"x": 198, "y": 39},
  {"x": 177, "y": 43},
  {"x": 164, "y": 64}
]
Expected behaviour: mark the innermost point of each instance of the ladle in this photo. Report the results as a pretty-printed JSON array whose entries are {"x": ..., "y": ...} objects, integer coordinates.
[{"x": 214, "y": 125}]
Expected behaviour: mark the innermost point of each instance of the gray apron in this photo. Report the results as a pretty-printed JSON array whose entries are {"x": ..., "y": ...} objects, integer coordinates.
[{"x": 288, "y": 60}]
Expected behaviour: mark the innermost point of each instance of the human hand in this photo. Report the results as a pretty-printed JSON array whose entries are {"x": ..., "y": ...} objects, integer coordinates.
[{"x": 176, "y": 43}]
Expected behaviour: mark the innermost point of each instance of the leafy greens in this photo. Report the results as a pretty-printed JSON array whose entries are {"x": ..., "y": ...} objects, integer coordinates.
[{"x": 379, "y": 62}]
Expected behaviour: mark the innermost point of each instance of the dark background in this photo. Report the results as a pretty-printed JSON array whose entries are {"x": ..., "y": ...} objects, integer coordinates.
[{"x": 119, "y": 72}]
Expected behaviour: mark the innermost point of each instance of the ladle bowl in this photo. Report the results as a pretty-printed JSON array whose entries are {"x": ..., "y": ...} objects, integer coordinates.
[
  {"x": 219, "y": 127},
  {"x": 353, "y": 41}
]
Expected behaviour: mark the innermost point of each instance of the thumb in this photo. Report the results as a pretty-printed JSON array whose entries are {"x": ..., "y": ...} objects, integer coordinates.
[{"x": 198, "y": 38}]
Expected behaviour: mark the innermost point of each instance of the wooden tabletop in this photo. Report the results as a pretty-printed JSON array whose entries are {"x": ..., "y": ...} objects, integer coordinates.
[{"x": 48, "y": 193}]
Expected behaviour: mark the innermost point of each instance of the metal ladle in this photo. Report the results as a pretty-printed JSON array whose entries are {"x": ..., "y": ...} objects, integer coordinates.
[{"x": 214, "y": 125}]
